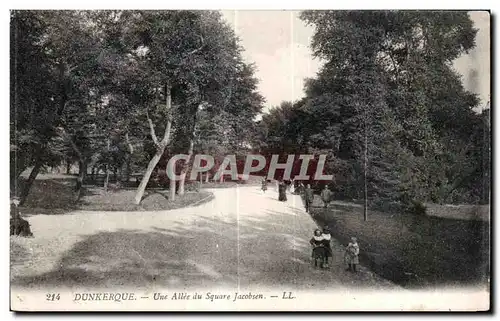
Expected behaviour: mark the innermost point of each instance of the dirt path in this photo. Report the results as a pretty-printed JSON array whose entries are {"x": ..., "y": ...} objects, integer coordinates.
[{"x": 241, "y": 239}]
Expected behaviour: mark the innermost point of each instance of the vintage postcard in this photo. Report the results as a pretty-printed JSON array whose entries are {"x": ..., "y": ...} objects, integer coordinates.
[{"x": 231, "y": 160}]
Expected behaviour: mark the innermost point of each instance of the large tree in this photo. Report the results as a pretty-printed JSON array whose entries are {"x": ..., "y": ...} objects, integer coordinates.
[
  {"x": 175, "y": 63},
  {"x": 386, "y": 91},
  {"x": 54, "y": 54}
]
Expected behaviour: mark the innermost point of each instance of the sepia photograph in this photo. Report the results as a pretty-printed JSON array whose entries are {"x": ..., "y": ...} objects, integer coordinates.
[{"x": 250, "y": 160}]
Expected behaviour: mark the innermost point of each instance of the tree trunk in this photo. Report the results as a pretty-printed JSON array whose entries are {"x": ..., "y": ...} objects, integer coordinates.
[
  {"x": 125, "y": 177},
  {"x": 145, "y": 179},
  {"x": 365, "y": 209},
  {"x": 82, "y": 172},
  {"x": 160, "y": 146},
  {"x": 106, "y": 180},
  {"x": 68, "y": 167},
  {"x": 18, "y": 166},
  {"x": 128, "y": 157},
  {"x": 185, "y": 166},
  {"x": 27, "y": 185}
]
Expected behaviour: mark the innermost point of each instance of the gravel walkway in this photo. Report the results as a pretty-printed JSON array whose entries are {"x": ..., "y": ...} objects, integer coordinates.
[{"x": 241, "y": 239}]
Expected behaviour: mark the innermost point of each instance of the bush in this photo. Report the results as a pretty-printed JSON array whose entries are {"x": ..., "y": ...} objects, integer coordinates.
[
  {"x": 193, "y": 186},
  {"x": 20, "y": 227},
  {"x": 388, "y": 206},
  {"x": 417, "y": 208}
]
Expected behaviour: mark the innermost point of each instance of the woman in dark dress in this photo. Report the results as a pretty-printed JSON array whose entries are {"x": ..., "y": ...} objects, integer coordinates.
[{"x": 319, "y": 250}]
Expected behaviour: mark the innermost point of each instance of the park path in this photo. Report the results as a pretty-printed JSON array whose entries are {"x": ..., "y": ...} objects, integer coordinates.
[{"x": 241, "y": 239}]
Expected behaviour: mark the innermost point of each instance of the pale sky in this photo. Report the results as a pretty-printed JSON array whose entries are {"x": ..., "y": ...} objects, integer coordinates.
[{"x": 278, "y": 43}]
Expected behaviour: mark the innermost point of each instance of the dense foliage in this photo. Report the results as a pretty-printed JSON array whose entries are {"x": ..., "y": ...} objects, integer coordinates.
[
  {"x": 388, "y": 104},
  {"x": 118, "y": 91}
]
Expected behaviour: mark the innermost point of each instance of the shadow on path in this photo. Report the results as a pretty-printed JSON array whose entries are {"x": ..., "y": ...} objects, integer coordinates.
[{"x": 268, "y": 249}]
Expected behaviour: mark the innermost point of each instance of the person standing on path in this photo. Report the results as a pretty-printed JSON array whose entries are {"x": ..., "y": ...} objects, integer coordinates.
[
  {"x": 326, "y": 196},
  {"x": 319, "y": 250},
  {"x": 326, "y": 243},
  {"x": 18, "y": 225},
  {"x": 264, "y": 185},
  {"x": 308, "y": 197},
  {"x": 300, "y": 188},
  {"x": 282, "y": 191},
  {"x": 351, "y": 255}
]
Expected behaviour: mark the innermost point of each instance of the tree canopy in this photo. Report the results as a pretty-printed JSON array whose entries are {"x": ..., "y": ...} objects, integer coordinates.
[{"x": 388, "y": 89}]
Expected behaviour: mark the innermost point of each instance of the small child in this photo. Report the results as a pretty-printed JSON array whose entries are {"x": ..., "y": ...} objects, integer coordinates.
[
  {"x": 319, "y": 250},
  {"x": 351, "y": 255}
]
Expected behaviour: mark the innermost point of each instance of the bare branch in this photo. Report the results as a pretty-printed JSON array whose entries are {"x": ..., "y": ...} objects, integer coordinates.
[
  {"x": 152, "y": 130},
  {"x": 168, "y": 106},
  {"x": 130, "y": 146},
  {"x": 69, "y": 138}
]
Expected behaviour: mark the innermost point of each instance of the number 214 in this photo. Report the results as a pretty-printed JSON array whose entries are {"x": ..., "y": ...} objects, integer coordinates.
[{"x": 53, "y": 296}]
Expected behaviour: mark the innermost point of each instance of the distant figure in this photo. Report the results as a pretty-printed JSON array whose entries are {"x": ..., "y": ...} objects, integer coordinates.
[
  {"x": 308, "y": 197},
  {"x": 300, "y": 188},
  {"x": 351, "y": 255},
  {"x": 14, "y": 209},
  {"x": 292, "y": 187},
  {"x": 264, "y": 185},
  {"x": 282, "y": 191},
  {"x": 18, "y": 225},
  {"x": 326, "y": 196},
  {"x": 326, "y": 243},
  {"x": 319, "y": 250}
]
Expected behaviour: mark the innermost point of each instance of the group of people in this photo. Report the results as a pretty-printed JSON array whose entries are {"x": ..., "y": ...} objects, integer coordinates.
[
  {"x": 326, "y": 196},
  {"x": 306, "y": 191},
  {"x": 322, "y": 250},
  {"x": 282, "y": 188}
]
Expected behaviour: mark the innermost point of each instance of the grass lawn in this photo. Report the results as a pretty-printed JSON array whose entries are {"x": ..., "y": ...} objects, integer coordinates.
[
  {"x": 413, "y": 251},
  {"x": 56, "y": 196}
]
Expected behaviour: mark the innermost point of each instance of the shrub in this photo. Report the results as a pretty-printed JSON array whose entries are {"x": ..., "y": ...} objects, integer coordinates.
[{"x": 417, "y": 208}]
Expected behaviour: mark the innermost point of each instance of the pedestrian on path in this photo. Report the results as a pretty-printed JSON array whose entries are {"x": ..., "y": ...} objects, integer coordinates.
[
  {"x": 351, "y": 255},
  {"x": 326, "y": 196},
  {"x": 300, "y": 188},
  {"x": 282, "y": 191},
  {"x": 319, "y": 250},
  {"x": 327, "y": 237},
  {"x": 264, "y": 185},
  {"x": 308, "y": 197}
]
